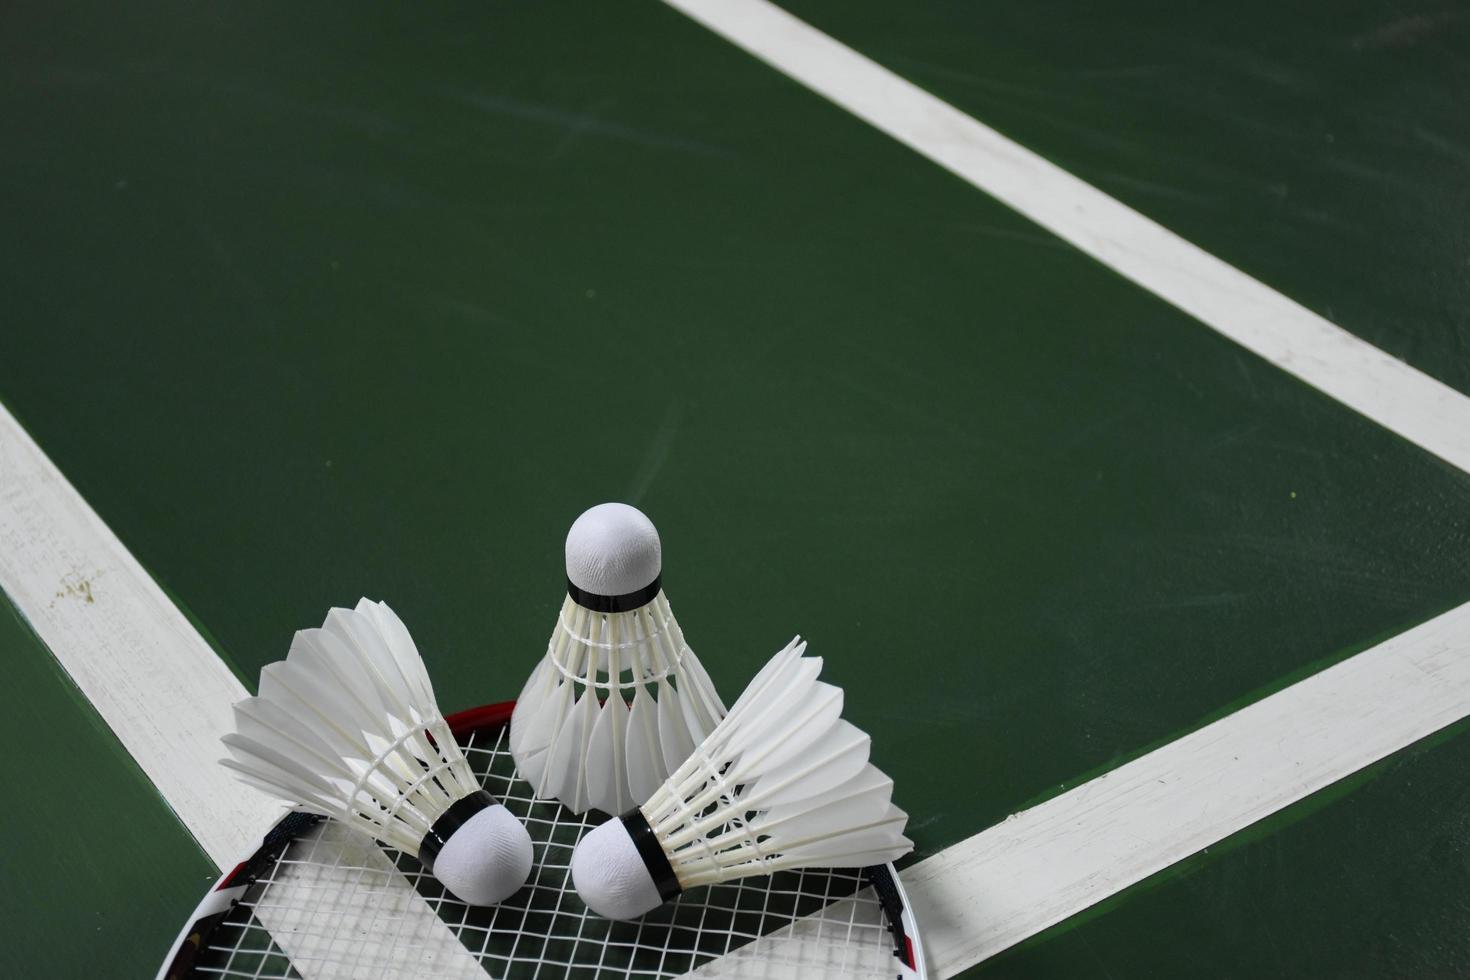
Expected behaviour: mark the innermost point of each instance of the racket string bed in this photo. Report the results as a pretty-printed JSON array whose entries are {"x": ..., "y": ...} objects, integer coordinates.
[{"x": 339, "y": 893}]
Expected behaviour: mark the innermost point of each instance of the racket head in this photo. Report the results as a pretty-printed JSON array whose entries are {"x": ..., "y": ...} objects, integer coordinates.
[{"x": 316, "y": 899}]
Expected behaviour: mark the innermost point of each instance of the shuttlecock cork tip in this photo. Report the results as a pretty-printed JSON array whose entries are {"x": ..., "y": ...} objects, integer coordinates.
[
  {"x": 613, "y": 558},
  {"x": 611, "y": 875},
  {"x": 486, "y": 859}
]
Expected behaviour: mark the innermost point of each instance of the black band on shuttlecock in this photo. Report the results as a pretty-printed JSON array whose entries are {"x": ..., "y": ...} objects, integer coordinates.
[
  {"x": 654, "y": 859},
  {"x": 458, "y": 814},
  {"x": 615, "y": 603}
]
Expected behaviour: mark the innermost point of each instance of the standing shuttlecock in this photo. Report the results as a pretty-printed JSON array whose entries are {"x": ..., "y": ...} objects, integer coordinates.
[
  {"x": 346, "y": 726},
  {"x": 783, "y": 782},
  {"x": 619, "y": 701}
]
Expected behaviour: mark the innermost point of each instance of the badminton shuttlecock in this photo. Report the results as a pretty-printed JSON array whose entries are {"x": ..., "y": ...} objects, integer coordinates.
[
  {"x": 347, "y": 726},
  {"x": 619, "y": 700},
  {"x": 783, "y": 782}
]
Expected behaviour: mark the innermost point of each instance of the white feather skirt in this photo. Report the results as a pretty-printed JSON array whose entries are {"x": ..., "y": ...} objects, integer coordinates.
[{"x": 618, "y": 702}]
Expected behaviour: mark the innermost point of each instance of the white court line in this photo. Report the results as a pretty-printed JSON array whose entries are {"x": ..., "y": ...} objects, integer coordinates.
[
  {"x": 144, "y": 667},
  {"x": 1008, "y": 883},
  {"x": 1428, "y": 413},
  {"x": 153, "y": 678}
]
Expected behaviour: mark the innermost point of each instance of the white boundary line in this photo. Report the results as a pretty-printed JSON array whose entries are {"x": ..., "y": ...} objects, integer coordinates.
[
  {"x": 144, "y": 667},
  {"x": 1005, "y": 884},
  {"x": 155, "y": 681},
  {"x": 1427, "y": 412}
]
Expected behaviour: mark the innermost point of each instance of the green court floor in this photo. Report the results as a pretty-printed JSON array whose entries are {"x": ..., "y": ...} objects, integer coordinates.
[
  {"x": 317, "y": 303},
  {"x": 1319, "y": 147}
]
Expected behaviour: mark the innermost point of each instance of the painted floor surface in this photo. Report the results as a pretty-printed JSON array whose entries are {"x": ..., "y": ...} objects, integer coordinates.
[
  {"x": 95, "y": 865},
  {"x": 316, "y": 304},
  {"x": 1321, "y": 148}
]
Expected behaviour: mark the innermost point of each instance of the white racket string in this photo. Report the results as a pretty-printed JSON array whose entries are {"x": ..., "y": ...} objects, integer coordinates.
[{"x": 334, "y": 905}]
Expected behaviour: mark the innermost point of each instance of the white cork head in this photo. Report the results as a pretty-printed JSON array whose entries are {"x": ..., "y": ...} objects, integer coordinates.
[
  {"x": 487, "y": 859},
  {"x": 613, "y": 550},
  {"x": 610, "y": 876}
]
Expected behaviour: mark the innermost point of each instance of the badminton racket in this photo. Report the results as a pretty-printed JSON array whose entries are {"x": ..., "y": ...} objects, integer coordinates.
[{"x": 320, "y": 901}]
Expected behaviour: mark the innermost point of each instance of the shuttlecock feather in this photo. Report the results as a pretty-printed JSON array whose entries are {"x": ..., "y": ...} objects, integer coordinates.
[
  {"x": 782, "y": 782},
  {"x": 619, "y": 700},
  {"x": 347, "y": 726}
]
